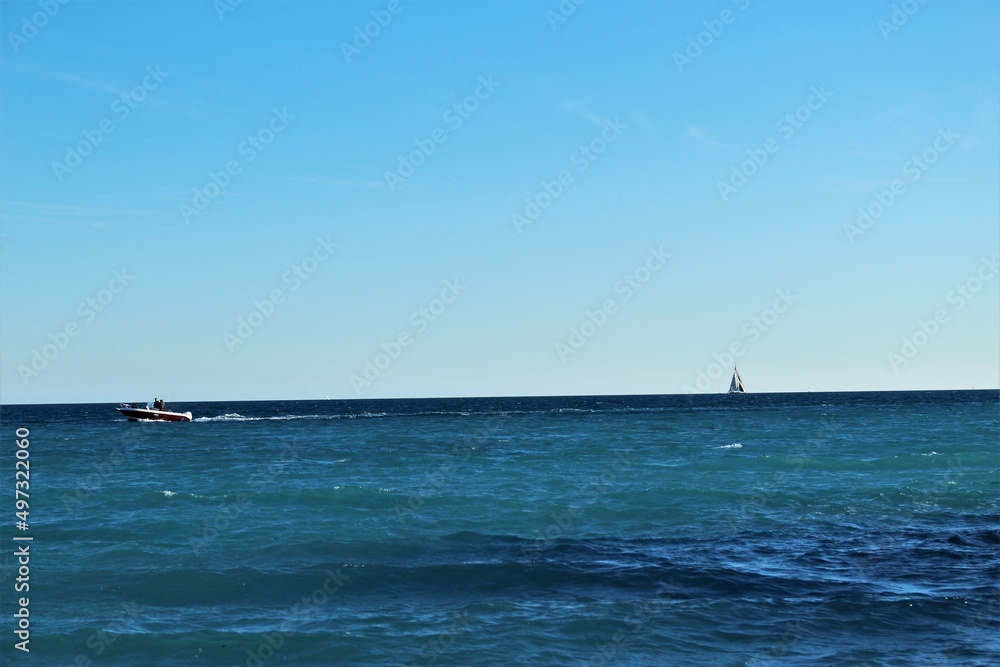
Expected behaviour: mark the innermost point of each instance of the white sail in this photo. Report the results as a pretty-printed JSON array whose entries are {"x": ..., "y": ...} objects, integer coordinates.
[{"x": 736, "y": 384}]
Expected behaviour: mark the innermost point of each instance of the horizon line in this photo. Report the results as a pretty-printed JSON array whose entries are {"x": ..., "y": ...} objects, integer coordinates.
[{"x": 454, "y": 398}]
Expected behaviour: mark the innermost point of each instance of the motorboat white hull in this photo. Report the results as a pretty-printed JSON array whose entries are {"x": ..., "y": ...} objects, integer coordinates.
[{"x": 137, "y": 414}]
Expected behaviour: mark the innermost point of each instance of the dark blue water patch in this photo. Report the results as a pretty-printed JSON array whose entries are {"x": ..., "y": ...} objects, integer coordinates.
[
  {"x": 235, "y": 411},
  {"x": 746, "y": 566}
]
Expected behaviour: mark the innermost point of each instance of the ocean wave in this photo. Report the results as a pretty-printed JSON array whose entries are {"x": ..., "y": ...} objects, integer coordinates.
[
  {"x": 475, "y": 566},
  {"x": 499, "y": 411},
  {"x": 506, "y": 412},
  {"x": 232, "y": 416},
  {"x": 167, "y": 493}
]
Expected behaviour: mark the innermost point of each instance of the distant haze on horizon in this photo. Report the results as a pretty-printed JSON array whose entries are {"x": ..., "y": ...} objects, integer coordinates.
[{"x": 262, "y": 201}]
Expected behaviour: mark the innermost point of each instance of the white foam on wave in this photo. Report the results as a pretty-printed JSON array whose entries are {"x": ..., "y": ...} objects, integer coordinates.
[
  {"x": 237, "y": 417},
  {"x": 169, "y": 493},
  {"x": 735, "y": 445},
  {"x": 232, "y": 416}
]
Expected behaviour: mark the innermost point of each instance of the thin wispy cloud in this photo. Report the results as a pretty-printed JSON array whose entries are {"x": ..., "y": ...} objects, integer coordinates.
[
  {"x": 65, "y": 77},
  {"x": 702, "y": 136},
  {"x": 22, "y": 211},
  {"x": 338, "y": 182},
  {"x": 860, "y": 150},
  {"x": 153, "y": 101},
  {"x": 580, "y": 107}
]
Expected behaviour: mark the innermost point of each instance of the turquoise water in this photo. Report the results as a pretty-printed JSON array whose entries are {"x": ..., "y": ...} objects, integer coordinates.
[{"x": 799, "y": 529}]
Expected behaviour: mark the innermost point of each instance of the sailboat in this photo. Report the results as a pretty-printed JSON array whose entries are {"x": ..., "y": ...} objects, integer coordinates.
[{"x": 736, "y": 384}]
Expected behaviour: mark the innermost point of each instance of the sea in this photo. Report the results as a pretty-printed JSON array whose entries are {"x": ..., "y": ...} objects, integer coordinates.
[{"x": 705, "y": 530}]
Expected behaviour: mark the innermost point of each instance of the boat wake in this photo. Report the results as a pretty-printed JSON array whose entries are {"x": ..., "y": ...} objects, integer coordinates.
[{"x": 237, "y": 417}]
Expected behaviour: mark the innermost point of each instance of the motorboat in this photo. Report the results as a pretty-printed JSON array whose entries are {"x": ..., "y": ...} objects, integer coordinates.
[{"x": 152, "y": 412}]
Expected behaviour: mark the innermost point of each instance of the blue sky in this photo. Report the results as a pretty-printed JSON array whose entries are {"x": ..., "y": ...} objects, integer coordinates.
[{"x": 260, "y": 201}]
